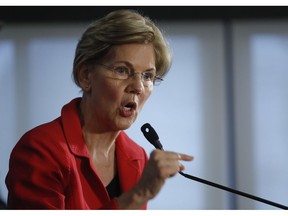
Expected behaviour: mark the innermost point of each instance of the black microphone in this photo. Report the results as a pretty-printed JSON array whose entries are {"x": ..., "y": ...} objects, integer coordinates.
[{"x": 151, "y": 135}]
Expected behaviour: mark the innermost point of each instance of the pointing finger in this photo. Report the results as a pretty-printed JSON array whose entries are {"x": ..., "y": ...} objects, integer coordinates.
[{"x": 185, "y": 157}]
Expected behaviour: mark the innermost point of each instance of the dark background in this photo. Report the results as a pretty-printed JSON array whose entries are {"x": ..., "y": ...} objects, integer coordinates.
[{"x": 50, "y": 14}]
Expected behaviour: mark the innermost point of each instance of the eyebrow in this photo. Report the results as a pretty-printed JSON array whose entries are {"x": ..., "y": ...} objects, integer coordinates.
[{"x": 131, "y": 65}]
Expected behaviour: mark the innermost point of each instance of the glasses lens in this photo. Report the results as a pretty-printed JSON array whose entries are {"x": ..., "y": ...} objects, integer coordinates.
[{"x": 157, "y": 81}]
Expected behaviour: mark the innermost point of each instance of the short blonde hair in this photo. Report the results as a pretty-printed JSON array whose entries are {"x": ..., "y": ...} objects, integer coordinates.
[{"x": 121, "y": 27}]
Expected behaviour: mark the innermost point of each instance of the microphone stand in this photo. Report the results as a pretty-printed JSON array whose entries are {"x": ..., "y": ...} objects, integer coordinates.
[
  {"x": 151, "y": 135},
  {"x": 234, "y": 191}
]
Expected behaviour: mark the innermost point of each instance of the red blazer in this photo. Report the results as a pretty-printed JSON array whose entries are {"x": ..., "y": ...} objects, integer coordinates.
[{"x": 50, "y": 167}]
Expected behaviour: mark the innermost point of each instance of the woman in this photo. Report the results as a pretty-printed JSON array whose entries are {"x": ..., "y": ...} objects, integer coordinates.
[{"x": 84, "y": 159}]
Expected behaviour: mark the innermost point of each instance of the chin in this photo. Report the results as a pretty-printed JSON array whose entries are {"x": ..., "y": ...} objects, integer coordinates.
[{"x": 125, "y": 125}]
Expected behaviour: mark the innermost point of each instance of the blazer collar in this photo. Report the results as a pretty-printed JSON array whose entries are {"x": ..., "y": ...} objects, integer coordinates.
[
  {"x": 72, "y": 128},
  {"x": 131, "y": 158}
]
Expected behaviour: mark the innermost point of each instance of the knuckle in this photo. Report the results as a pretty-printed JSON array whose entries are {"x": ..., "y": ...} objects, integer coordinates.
[{"x": 155, "y": 154}]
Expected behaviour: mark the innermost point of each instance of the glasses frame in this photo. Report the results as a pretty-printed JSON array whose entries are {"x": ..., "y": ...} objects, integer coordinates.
[{"x": 156, "y": 80}]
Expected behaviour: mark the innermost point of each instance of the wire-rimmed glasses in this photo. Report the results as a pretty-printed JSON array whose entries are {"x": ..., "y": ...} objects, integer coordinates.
[{"x": 123, "y": 72}]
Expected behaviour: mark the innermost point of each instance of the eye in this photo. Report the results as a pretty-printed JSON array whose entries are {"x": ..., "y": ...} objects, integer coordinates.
[
  {"x": 148, "y": 76},
  {"x": 122, "y": 70}
]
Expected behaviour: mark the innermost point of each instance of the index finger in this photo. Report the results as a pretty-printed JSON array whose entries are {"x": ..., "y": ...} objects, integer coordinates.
[{"x": 185, "y": 157}]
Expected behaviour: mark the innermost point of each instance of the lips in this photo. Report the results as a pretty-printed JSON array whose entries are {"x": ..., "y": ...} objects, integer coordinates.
[{"x": 128, "y": 109}]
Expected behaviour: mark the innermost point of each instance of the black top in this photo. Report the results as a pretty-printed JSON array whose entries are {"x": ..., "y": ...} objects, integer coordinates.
[{"x": 113, "y": 187}]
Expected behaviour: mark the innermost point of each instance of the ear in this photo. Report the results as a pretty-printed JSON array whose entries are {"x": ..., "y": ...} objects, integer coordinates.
[{"x": 84, "y": 77}]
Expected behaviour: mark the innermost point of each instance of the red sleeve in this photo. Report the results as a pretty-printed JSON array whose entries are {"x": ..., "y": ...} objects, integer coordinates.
[
  {"x": 112, "y": 205},
  {"x": 36, "y": 174}
]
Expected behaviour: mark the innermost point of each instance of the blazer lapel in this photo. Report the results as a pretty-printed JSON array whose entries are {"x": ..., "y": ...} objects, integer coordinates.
[{"x": 130, "y": 161}]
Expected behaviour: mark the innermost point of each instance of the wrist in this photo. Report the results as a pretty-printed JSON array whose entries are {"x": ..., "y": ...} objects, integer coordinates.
[{"x": 133, "y": 199}]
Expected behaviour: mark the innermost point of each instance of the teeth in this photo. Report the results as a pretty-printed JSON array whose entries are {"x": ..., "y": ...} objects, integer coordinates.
[{"x": 127, "y": 108}]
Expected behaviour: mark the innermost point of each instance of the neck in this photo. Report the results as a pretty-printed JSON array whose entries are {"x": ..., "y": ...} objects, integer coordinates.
[
  {"x": 101, "y": 143},
  {"x": 96, "y": 137}
]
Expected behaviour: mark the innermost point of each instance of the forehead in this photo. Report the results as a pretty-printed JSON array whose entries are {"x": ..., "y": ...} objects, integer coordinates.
[{"x": 132, "y": 53}]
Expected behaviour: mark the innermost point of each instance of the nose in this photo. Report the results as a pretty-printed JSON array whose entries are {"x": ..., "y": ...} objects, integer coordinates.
[{"x": 136, "y": 85}]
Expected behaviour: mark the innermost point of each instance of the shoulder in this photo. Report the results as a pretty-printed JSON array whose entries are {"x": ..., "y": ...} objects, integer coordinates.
[
  {"x": 44, "y": 131},
  {"x": 42, "y": 140},
  {"x": 47, "y": 132},
  {"x": 52, "y": 135}
]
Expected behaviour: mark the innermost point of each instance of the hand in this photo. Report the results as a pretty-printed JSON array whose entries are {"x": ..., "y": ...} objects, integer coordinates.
[{"x": 160, "y": 166}]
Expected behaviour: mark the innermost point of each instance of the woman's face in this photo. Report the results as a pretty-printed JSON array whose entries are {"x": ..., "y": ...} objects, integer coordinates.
[{"x": 114, "y": 104}]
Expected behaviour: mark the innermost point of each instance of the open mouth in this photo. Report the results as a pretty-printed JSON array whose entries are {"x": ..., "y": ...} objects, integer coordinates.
[
  {"x": 130, "y": 106},
  {"x": 128, "y": 109}
]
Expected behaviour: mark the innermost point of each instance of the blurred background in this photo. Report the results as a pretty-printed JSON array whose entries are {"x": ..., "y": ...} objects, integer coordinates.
[{"x": 225, "y": 99}]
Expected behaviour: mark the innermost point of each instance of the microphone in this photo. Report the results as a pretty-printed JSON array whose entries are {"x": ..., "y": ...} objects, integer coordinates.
[{"x": 151, "y": 135}]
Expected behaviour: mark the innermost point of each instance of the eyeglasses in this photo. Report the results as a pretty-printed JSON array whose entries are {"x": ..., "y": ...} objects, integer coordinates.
[{"x": 122, "y": 72}]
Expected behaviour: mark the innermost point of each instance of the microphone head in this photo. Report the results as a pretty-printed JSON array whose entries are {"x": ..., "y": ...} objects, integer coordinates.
[{"x": 149, "y": 133}]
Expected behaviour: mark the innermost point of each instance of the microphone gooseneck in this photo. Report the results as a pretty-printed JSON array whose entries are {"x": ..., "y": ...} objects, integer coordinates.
[{"x": 151, "y": 135}]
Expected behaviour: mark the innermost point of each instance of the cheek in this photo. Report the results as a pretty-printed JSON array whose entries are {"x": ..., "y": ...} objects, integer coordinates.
[
  {"x": 105, "y": 92},
  {"x": 144, "y": 98}
]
